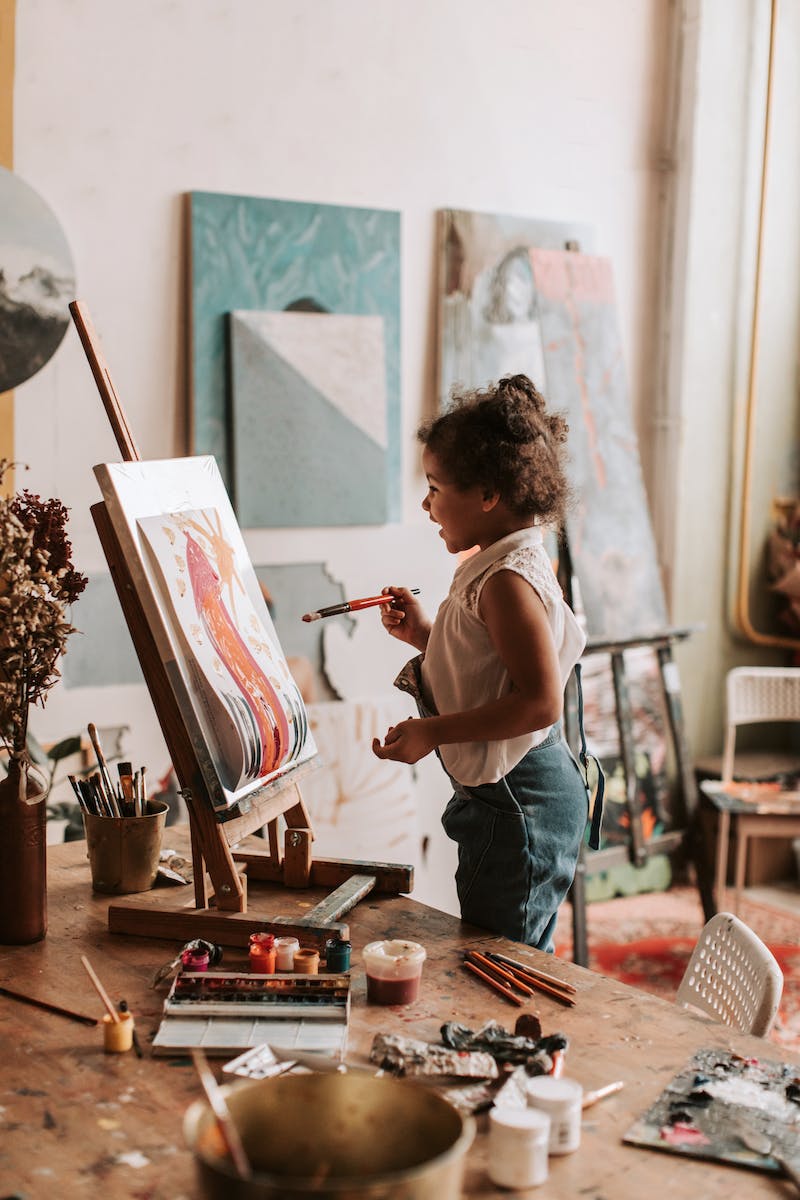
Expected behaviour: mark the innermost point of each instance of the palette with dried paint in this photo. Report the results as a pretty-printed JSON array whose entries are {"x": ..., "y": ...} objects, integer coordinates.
[
  {"x": 721, "y": 1106},
  {"x": 224, "y": 1011}
]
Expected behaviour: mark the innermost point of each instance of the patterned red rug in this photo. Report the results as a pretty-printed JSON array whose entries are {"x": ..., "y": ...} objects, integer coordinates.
[{"x": 646, "y": 941}]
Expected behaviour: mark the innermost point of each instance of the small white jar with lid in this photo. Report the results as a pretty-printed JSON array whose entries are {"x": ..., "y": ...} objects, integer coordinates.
[
  {"x": 518, "y": 1142},
  {"x": 562, "y": 1100}
]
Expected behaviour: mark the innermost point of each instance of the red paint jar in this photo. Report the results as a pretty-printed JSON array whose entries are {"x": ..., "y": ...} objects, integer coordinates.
[
  {"x": 394, "y": 970},
  {"x": 262, "y": 953}
]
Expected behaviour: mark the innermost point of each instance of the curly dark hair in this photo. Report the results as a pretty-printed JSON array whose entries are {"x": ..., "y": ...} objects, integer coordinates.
[{"x": 502, "y": 439}]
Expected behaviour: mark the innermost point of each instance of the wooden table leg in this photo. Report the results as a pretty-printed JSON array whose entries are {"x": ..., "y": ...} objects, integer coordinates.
[
  {"x": 741, "y": 860},
  {"x": 721, "y": 871}
]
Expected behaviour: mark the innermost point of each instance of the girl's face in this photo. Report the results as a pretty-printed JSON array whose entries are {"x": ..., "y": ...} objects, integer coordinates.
[{"x": 461, "y": 514}]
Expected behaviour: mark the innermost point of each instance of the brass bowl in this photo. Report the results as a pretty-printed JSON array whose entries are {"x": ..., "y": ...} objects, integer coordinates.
[{"x": 352, "y": 1137}]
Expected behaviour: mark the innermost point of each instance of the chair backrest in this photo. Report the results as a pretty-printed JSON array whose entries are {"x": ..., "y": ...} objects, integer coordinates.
[
  {"x": 757, "y": 694},
  {"x": 733, "y": 976}
]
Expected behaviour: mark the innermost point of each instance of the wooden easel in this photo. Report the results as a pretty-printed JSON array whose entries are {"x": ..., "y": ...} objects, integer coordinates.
[{"x": 221, "y": 873}]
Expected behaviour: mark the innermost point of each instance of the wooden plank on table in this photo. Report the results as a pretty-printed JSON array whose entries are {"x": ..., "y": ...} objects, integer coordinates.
[
  {"x": 225, "y": 928},
  {"x": 390, "y": 878},
  {"x": 340, "y": 901}
]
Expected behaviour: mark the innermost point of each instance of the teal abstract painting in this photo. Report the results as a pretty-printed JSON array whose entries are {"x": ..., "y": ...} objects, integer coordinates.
[{"x": 295, "y": 358}]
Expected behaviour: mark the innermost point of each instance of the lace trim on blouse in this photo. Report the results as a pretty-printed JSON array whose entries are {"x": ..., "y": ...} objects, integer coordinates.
[{"x": 532, "y": 563}]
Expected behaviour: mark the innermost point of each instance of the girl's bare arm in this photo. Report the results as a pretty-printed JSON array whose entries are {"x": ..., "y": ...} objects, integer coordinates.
[{"x": 517, "y": 622}]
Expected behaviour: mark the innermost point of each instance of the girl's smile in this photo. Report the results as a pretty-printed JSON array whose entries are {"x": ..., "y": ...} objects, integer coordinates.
[{"x": 466, "y": 517}]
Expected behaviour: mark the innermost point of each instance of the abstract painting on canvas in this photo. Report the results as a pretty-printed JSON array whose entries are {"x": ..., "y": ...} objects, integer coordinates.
[{"x": 206, "y": 611}]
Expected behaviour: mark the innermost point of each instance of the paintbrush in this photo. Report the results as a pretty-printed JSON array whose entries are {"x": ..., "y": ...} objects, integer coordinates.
[
  {"x": 336, "y": 610},
  {"x": 104, "y": 772},
  {"x": 48, "y": 1007},
  {"x": 101, "y": 991},
  {"x": 225, "y": 1123}
]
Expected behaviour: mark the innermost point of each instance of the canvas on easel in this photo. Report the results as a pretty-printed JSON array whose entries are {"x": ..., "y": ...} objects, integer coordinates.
[
  {"x": 232, "y": 717},
  {"x": 189, "y": 564}
]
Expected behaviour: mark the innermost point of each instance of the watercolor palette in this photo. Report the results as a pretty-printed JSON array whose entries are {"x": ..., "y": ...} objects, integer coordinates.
[
  {"x": 221, "y": 1012},
  {"x": 718, "y": 1103}
]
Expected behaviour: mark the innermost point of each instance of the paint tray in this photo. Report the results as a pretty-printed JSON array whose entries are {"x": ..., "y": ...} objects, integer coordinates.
[
  {"x": 718, "y": 1097},
  {"x": 224, "y": 1012}
]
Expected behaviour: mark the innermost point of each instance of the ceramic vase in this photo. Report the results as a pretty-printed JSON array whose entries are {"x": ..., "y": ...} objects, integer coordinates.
[{"x": 23, "y": 855}]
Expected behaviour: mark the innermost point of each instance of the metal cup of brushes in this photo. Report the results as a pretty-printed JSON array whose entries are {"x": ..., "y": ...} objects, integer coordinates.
[{"x": 38, "y": 583}]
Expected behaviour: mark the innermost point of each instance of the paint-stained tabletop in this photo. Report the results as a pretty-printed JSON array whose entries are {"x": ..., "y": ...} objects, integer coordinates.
[{"x": 75, "y": 1122}]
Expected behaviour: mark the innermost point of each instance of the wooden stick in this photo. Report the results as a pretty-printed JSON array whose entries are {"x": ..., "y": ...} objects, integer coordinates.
[
  {"x": 48, "y": 1007},
  {"x": 590, "y": 1098},
  {"x": 101, "y": 991},
  {"x": 502, "y": 988},
  {"x": 225, "y": 1123},
  {"x": 486, "y": 963},
  {"x": 105, "y": 384},
  {"x": 530, "y": 970}
]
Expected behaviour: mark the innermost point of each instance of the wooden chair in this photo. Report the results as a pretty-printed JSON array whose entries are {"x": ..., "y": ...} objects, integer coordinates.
[{"x": 732, "y": 976}]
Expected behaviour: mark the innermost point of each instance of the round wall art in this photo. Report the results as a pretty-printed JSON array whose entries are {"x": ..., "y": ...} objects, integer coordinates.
[{"x": 37, "y": 281}]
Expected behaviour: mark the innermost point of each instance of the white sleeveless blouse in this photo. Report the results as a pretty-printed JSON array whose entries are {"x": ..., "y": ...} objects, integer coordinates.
[{"x": 461, "y": 669}]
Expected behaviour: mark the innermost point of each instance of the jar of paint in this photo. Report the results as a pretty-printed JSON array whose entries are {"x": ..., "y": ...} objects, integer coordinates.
[
  {"x": 337, "y": 955},
  {"x": 562, "y": 1100},
  {"x": 393, "y": 969},
  {"x": 518, "y": 1146},
  {"x": 262, "y": 953},
  {"x": 285, "y": 950},
  {"x": 117, "y": 1035},
  {"x": 306, "y": 961},
  {"x": 194, "y": 959}
]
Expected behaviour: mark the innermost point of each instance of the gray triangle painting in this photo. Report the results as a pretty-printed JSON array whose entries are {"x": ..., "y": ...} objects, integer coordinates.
[
  {"x": 295, "y": 358},
  {"x": 309, "y": 426}
]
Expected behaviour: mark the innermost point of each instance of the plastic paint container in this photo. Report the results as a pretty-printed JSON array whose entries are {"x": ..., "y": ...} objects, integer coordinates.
[
  {"x": 394, "y": 969},
  {"x": 562, "y": 1100},
  {"x": 117, "y": 1035},
  {"x": 195, "y": 960},
  {"x": 262, "y": 953},
  {"x": 306, "y": 962},
  {"x": 285, "y": 950},
  {"x": 337, "y": 956},
  {"x": 518, "y": 1146}
]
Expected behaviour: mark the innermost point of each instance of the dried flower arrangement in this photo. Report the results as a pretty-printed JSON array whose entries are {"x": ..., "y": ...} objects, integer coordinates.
[{"x": 38, "y": 583}]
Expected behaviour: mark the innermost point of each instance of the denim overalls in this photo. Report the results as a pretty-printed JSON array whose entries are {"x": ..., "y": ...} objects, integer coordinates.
[{"x": 519, "y": 838}]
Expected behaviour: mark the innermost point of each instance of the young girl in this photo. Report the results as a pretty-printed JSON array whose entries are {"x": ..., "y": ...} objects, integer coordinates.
[{"x": 490, "y": 680}]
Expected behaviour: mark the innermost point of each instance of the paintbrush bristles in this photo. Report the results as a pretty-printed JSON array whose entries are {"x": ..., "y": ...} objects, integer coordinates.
[{"x": 315, "y": 616}]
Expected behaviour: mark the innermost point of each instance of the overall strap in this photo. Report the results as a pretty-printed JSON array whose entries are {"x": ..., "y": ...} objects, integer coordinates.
[{"x": 597, "y": 810}]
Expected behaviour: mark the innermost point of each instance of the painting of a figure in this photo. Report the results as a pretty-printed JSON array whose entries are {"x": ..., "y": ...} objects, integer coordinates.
[{"x": 206, "y": 610}]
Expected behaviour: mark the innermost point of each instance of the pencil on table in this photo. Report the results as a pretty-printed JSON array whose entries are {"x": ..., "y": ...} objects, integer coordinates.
[
  {"x": 531, "y": 970},
  {"x": 540, "y": 986},
  {"x": 502, "y": 988},
  {"x": 491, "y": 968}
]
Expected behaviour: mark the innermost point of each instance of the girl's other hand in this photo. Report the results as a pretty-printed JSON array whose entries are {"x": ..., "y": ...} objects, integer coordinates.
[
  {"x": 407, "y": 742},
  {"x": 404, "y": 618}
]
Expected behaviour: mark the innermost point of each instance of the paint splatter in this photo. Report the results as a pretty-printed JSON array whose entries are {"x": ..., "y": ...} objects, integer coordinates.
[{"x": 683, "y": 1134}]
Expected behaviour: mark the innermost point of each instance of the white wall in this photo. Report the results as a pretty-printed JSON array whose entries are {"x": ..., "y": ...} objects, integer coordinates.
[
  {"x": 717, "y": 297},
  {"x": 532, "y": 107}
]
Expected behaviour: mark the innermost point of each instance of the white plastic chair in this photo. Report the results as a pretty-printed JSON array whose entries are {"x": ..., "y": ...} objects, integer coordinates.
[
  {"x": 754, "y": 694},
  {"x": 732, "y": 976}
]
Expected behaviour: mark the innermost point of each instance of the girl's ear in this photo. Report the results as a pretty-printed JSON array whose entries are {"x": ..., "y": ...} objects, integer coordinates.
[{"x": 490, "y": 500}]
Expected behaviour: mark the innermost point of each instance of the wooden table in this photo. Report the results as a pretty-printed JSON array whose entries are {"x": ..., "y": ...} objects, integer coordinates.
[
  {"x": 77, "y": 1123},
  {"x": 753, "y": 811}
]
